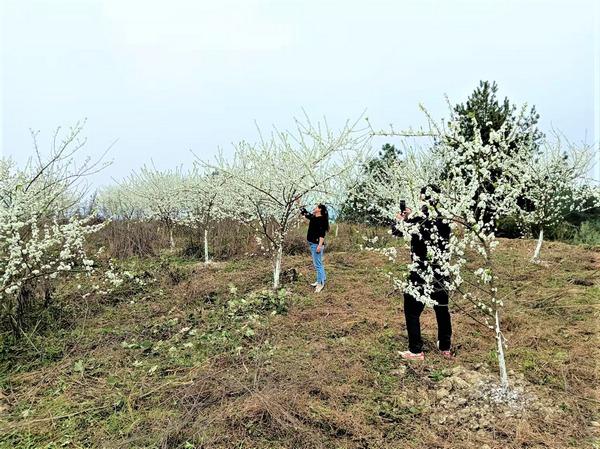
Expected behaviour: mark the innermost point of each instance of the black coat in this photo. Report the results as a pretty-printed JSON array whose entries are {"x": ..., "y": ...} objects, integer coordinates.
[
  {"x": 317, "y": 226},
  {"x": 419, "y": 243}
]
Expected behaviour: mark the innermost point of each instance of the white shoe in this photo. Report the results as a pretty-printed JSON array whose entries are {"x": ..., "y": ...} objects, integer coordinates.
[
  {"x": 314, "y": 284},
  {"x": 407, "y": 355},
  {"x": 319, "y": 287}
]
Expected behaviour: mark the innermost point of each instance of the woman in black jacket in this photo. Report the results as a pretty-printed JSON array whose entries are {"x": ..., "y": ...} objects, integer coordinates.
[
  {"x": 318, "y": 226},
  {"x": 432, "y": 232}
]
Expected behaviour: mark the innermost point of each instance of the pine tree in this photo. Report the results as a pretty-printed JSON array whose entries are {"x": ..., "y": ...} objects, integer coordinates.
[{"x": 484, "y": 114}]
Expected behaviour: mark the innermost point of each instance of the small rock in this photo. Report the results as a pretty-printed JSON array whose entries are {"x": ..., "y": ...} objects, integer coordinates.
[
  {"x": 471, "y": 377},
  {"x": 446, "y": 384},
  {"x": 400, "y": 371},
  {"x": 594, "y": 423},
  {"x": 458, "y": 370},
  {"x": 461, "y": 401},
  {"x": 441, "y": 393},
  {"x": 460, "y": 384},
  {"x": 485, "y": 446}
]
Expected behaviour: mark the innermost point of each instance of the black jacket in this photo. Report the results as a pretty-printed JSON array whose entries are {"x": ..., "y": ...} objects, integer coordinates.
[
  {"x": 418, "y": 243},
  {"x": 317, "y": 226}
]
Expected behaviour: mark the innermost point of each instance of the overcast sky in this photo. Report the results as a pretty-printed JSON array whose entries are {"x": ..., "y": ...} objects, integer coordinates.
[{"x": 167, "y": 77}]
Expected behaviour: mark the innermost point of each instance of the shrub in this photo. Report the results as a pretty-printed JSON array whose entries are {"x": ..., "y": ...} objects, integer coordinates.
[{"x": 588, "y": 233}]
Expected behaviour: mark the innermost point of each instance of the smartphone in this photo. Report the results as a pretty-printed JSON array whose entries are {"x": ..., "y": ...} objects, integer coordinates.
[{"x": 402, "y": 206}]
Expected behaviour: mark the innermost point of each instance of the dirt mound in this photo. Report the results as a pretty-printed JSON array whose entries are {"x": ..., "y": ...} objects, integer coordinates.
[{"x": 474, "y": 398}]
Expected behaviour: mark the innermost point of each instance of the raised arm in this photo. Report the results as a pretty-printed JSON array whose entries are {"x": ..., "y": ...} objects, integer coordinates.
[
  {"x": 401, "y": 216},
  {"x": 306, "y": 213},
  {"x": 303, "y": 210}
]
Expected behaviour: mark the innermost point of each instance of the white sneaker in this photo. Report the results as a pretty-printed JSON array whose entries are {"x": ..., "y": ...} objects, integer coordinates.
[
  {"x": 407, "y": 355},
  {"x": 319, "y": 287},
  {"x": 314, "y": 284}
]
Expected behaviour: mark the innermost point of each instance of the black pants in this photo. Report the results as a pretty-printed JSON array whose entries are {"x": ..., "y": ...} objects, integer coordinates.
[{"x": 412, "y": 313}]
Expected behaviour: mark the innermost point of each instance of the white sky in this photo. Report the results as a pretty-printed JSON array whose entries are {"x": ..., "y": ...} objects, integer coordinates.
[{"x": 166, "y": 77}]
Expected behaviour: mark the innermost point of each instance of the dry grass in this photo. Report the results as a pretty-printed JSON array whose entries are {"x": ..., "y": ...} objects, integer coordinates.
[{"x": 324, "y": 375}]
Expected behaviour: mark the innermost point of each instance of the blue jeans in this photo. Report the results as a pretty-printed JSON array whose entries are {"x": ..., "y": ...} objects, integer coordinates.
[{"x": 318, "y": 262}]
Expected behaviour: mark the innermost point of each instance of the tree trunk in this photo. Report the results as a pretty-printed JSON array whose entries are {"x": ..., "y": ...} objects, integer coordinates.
[
  {"x": 277, "y": 267},
  {"x": 337, "y": 226},
  {"x": 538, "y": 247},
  {"x": 501, "y": 359},
  {"x": 206, "y": 245},
  {"x": 171, "y": 239}
]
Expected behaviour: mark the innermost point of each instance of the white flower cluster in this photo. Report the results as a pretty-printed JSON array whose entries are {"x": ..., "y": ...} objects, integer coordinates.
[{"x": 41, "y": 236}]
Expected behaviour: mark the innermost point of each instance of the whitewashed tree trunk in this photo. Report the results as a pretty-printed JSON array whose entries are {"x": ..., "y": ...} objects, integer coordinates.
[
  {"x": 277, "y": 266},
  {"x": 206, "y": 245},
  {"x": 538, "y": 247},
  {"x": 501, "y": 359},
  {"x": 337, "y": 226},
  {"x": 171, "y": 239}
]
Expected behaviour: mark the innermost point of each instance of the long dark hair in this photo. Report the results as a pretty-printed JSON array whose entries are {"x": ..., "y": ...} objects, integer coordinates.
[{"x": 324, "y": 214}]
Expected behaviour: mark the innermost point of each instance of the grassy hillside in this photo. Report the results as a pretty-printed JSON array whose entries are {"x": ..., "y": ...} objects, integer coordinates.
[{"x": 205, "y": 357}]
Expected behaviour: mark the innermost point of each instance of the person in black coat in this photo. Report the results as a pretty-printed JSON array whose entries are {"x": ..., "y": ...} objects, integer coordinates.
[
  {"x": 434, "y": 233},
  {"x": 318, "y": 226}
]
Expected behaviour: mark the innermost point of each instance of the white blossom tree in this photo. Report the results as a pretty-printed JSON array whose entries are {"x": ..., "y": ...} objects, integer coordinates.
[
  {"x": 205, "y": 201},
  {"x": 265, "y": 179},
  {"x": 161, "y": 195},
  {"x": 555, "y": 183},
  {"x": 41, "y": 237},
  {"x": 461, "y": 169},
  {"x": 118, "y": 202}
]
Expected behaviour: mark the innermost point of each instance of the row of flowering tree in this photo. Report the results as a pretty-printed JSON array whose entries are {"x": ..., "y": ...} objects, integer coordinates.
[
  {"x": 193, "y": 198},
  {"x": 265, "y": 181},
  {"x": 259, "y": 186},
  {"x": 472, "y": 175}
]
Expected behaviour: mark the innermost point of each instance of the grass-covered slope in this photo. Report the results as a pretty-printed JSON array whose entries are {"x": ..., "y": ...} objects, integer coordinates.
[{"x": 203, "y": 357}]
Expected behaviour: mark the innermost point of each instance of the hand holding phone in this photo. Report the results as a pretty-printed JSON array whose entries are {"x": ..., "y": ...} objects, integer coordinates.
[{"x": 404, "y": 211}]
